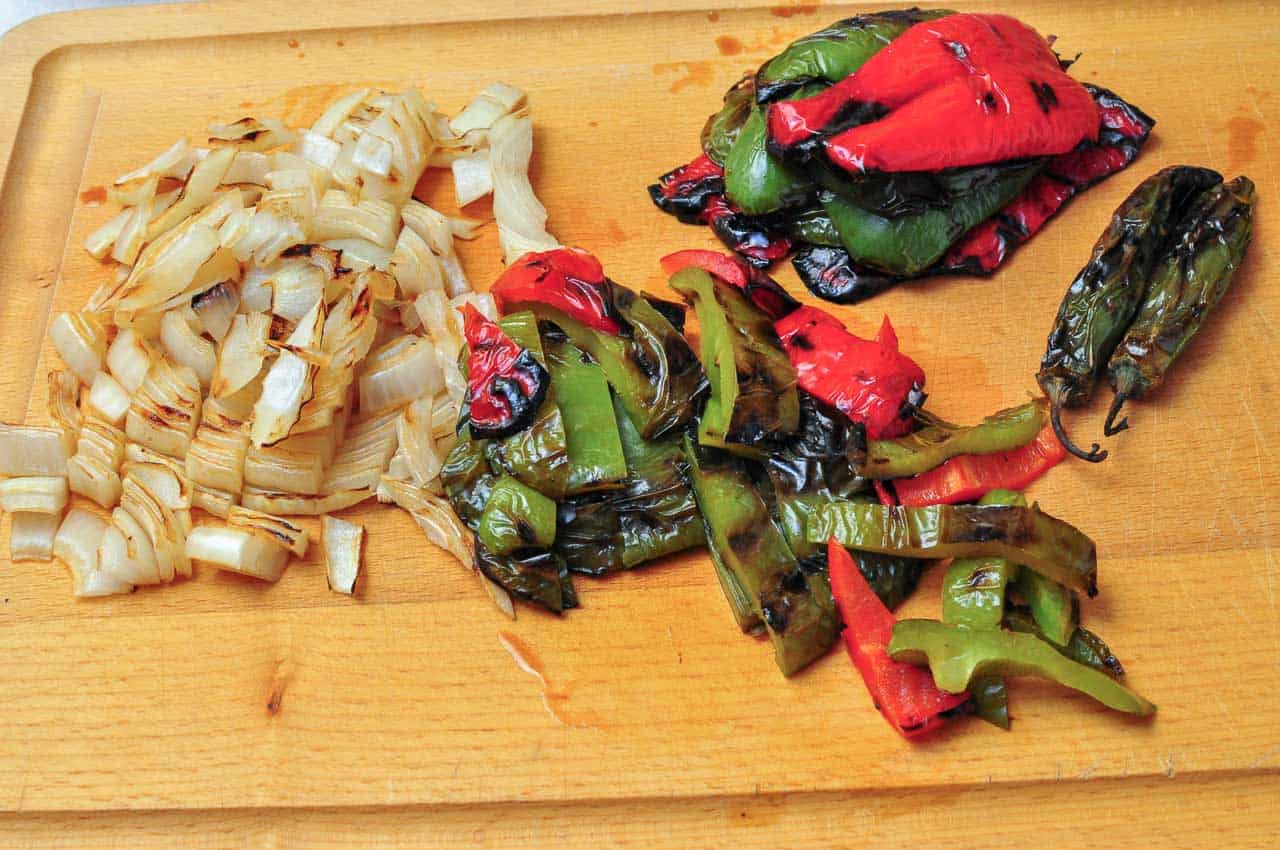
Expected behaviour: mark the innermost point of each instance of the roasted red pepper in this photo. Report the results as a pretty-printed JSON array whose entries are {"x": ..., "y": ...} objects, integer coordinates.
[
  {"x": 869, "y": 381},
  {"x": 969, "y": 477},
  {"x": 904, "y": 694},
  {"x": 764, "y": 291},
  {"x": 987, "y": 84},
  {"x": 685, "y": 191},
  {"x": 754, "y": 237},
  {"x": 505, "y": 383},
  {"x": 568, "y": 279}
]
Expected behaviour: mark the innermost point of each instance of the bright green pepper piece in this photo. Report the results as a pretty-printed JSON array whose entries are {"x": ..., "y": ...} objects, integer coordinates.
[
  {"x": 723, "y": 127},
  {"x": 596, "y": 461},
  {"x": 753, "y": 384},
  {"x": 517, "y": 517},
  {"x": 957, "y": 655},
  {"x": 756, "y": 180},
  {"x": 1084, "y": 646},
  {"x": 754, "y": 563},
  {"x": 1056, "y": 609},
  {"x": 940, "y": 441},
  {"x": 1023, "y": 535}
]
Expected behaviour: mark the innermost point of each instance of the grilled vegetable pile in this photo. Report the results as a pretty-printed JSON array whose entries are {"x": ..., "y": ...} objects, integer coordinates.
[{"x": 897, "y": 145}]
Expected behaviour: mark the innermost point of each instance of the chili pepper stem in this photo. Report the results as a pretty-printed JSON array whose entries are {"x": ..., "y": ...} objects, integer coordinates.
[
  {"x": 1096, "y": 453},
  {"x": 1111, "y": 428}
]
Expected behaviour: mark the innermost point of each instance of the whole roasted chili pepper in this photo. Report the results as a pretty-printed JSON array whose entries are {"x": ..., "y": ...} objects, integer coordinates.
[
  {"x": 1023, "y": 535},
  {"x": 956, "y": 655},
  {"x": 1189, "y": 280},
  {"x": 505, "y": 383},
  {"x": 968, "y": 477},
  {"x": 906, "y": 695},
  {"x": 1105, "y": 295},
  {"x": 753, "y": 384},
  {"x": 516, "y": 516},
  {"x": 596, "y": 461},
  {"x": 869, "y": 381},
  {"x": 939, "y": 441},
  {"x": 988, "y": 84},
  {"x": 759, "y": 574}
]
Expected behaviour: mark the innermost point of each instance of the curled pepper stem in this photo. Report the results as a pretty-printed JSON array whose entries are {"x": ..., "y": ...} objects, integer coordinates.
[
  {"x": 1096, "y": 453},
  {"x": 1111, "y": 428}
]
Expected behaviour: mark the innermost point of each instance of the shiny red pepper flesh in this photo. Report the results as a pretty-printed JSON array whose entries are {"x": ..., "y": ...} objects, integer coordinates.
[
  {"x": 567, "y": 279},
  {"x": 987, "y": 84},
  {"x": 869, "y": 381},
  {"x": 905, "y": 694},
  {"x": 766, "y": 293},
  {"x": 505, "y": 384},
  {"x": 969, "y": 477}
]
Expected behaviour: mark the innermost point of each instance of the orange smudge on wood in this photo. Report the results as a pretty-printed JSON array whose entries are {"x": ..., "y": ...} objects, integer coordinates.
[
  {"x": 1242, "y": 140},
  {"x": 293, "y": 42},
  {"x": 713, "y": 16},
  {"x": 94, "y": 195},
  {"x": 695, "y": 73},
  {"x": 794, "y": 9},
  {"x": 728, "y": 45}
]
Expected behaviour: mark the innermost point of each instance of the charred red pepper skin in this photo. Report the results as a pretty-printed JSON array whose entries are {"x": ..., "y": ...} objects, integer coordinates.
[
  {"x": 903, "y": 693},
  {"x": 505, "y": 383},
  {"x": 685, "y": 191},
  {"x": 988, "y": 84},
  {"x": 869, "y": 381},
  {"x": 765, "y": 292},
  {"x": 970, "y": 477},
  {"x": 568, "y": 279}
]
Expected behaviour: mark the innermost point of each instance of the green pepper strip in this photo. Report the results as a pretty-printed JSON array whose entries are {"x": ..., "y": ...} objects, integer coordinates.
[
  {"x": 596, "y": 461},
  {"x": 753, "y": 384},
  {"x": 516, "y": 517},
  {"x": 1023, "y": 535},
  {"x": 1084, "y": 646},
  {"x": 957, "y": 655},
  {"x": 939, "y": 441}
]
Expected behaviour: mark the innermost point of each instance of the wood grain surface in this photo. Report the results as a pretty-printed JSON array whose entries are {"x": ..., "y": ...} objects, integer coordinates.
[{"x": 222, "y": 712}]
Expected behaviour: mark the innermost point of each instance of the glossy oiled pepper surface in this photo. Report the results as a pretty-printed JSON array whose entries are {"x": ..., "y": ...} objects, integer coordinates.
[
  {"x": 505, "y": 383},
  {"x": 516, "y": 517},
  {"x": 939, "y": 441}
]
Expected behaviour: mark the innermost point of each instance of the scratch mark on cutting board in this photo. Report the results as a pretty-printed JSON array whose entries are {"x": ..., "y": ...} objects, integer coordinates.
[
  {"x": 528, "y": 661},
  {"x": 1167, "y": 766}
]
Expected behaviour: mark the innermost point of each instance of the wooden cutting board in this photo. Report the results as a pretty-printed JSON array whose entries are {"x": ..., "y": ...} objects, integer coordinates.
[{"x": 223, "y": 712}]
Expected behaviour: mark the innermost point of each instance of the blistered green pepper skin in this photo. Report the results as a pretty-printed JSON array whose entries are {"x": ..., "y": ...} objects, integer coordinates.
[
  {"x": 956, "y": 655},
  {"x": 467, "y": 478},
  {"x": 1023, "y": 535},
  {"x": 516, "y": 516},
  {"x": 928, "y": 447},
  {"x": 909, "y": 244},
  {"x": 596, "y": 461},
  {"x": 1101, "y": 302},
  {"x": 754, "y": 562},
  {"x": 833, "y": 53},
  {"x": 1084, "y": 646},
  {"x": 973, "y": 588},
  {"x": 1187, "y": 283},
  {"x": 723, "y": 127},
  {"x": 755, "y": 179},
  {"x": 753, "y": 384}
]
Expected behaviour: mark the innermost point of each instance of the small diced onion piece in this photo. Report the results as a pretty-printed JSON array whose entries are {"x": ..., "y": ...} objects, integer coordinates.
[
  {"x": 342, "y": 541},
  {"x": 187, "y": 348},
  {"x": 94, "y": 479},
  {"x": 216, "y": 307},
  {"x": 243, "y": 352},
  {"x": 129, "y": 359},
  {"x": 108, "y": 398},
  {"x": 288, "y": 382},
  {"x": 274, "y": 528},
  {"x": 390, "y": 382},
  {"x": 76, "y": 545},
  {"x": 472, "y": 179},
  {"x": 238, "y": 551},
  {"x": 115, "y": 560},
  {"x": 216, "y": 502},
  {"x": 99, "y": 242},
  {"x": 140, "y": 548},
  {"x": 31, "y": 537},
  {"x": 80, "y": 341},
  {"x": 32, "y": 451},
  {"x": 38, "y": 494}
]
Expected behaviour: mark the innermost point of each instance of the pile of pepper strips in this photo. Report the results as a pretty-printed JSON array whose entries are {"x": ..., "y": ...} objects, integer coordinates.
[
  {"x": 831, "y": 150},
  {"x": 595, "y": 440}
]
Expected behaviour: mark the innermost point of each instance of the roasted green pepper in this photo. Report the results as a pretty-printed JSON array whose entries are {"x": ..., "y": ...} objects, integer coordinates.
[
  {"x": 1023, "y": 535},
  {"x": 939, "y": 441},
  {"x": 754, "y": 562},
  {"x": 1188, "y": 282},
  {"x": 723, "y": 127},
  {"x": 1101, "y": 302},
  {"x": 756, "y": 181},
  {"x": 596, "y": 461},
  {"x": 1055, "y": 608},
  {"x": 1084, "y": 646},
  {"x": 753, "y": 384},
  {"x": 516, "y": 516},
  {"x": 957, "y": 655}
]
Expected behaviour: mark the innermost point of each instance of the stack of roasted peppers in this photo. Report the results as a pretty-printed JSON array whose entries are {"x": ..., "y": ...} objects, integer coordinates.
[
  {"x": 596, "y": 439},
  {"x": 897, "y": 145}
]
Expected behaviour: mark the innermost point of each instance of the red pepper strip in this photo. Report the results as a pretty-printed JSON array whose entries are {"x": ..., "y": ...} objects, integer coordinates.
[
  {"x": 505, "y": 384},
  {"x": 750, "y": 236},
  {"x": 905, "y": 694},
  {"x": 969, "y": 477},
  {"x": 568, "y": 279},
  {"x": 988, "y": 85},
  {"x": 763, "y": 290},
  {"x": 685, "y": 191},
  {"x": 869, "y": 381}
]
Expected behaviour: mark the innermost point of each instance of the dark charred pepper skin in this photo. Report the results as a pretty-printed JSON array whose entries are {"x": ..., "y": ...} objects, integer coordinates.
[
  {"x": 505, "y": 383},
  {"x": 1105, "y": 295}
]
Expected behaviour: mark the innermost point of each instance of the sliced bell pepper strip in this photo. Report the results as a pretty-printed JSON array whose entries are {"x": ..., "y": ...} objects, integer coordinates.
[
  {"x": 567, "y": 279},
  {"x": 505, "y": 383},
  {"x": 1056, "y": 609},
  {"x": 956, "y": 655},
  {"x": 939, "y": 441},
  {"x": 596, "y": 461},
  {"x": 763, "y": 290},
  {"x": 1084, "y": 646},
  {"x": 516, "y": 516},
  {"x": 968, "y": 477},
  {"x": 869, "y": 381},
  {"x": 906, "y": 695}
]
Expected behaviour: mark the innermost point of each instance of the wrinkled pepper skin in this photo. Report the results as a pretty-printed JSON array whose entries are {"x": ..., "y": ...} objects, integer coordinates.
[
  {"x": 596, "y": 461},
  {"x": 684, "y": 192},
  {"x": 763, "y": 291},
  {"x": 939, "y": 441},
  {"x": 869, "y": 381},
  {"x": 753, "y": 384},
  {"x": 904, "y": 694},
  {"x": 1188, "y": 281},
  {"x": 506, "y": 384},
  {"x": 1102, "y": 300},
  {"x": 757, "y": 182},
  {"x": 516, "y": 517},
  {"x": 988, "y": 84},
  {"x": 973, "y": 588},
  {"x": 1023, "y": 535},
  {"x": 956, "y": 655},
  {"x": 755, "y": 564},
  {"x": 723, "y": 128}
]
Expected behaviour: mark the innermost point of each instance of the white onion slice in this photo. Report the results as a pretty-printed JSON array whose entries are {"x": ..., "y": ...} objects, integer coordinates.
[
  {"x": 94, "y": 479},
  {"x": 80, "y": 341},
  {"x": 38, "y": 494},
  {"x": 521, "y": 217},
  {"x": 216, "y": 307},
  {"x": 243, "y": 351},
  {"x": 187, "y": 348},
  {"x": 31, "y": 536},
  {"x": 393, "y": 382},
  {"x": 280, "y": 531},
  {"x": 129, "y": 359},
  {"x": 175, "y": 162},
  {"x": 238, "y": 551},
  {"x": 32, "y": 451},
  {"x": 342, "y": 541},
  {"x": 288, "y": 383},
  {"x": 472, "y": 179},
  {"x": 99, "y": 242}
]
